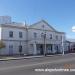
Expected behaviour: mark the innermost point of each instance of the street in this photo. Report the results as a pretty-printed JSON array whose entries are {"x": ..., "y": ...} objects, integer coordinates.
[{"x": 31, "y": 66}]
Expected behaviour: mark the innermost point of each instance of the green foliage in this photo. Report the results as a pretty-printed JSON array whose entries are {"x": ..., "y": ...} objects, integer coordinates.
[{"x": 2, "y": 45}]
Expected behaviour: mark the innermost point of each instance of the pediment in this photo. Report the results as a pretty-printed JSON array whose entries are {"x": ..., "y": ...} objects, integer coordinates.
[{"x": 42, "y": 25}]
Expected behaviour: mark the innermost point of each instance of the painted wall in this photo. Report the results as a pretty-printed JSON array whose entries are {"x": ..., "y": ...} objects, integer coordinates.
[
  {"x": 0, "y": 32},
  {"x": 6, "y": 30},
  {"x": 16, "y": 41}
]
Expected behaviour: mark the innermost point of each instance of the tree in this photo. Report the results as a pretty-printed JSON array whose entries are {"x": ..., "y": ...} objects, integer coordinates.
[{"x": 2, "y": 45}]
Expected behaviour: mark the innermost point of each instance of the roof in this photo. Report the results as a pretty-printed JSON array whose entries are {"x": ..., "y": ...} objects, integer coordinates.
[
  {"x": 44, "y": 22},
  {"x": 31, "y": 26},
  {"x": 71, "y": 40}
]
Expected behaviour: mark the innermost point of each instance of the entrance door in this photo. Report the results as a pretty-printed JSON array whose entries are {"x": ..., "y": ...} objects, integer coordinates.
[
  {"x": 57, "y": 49},
  {"x": 41, "y": 50},
  {"x": 10, "y": 49},
  {"x": 20, "y": 49}
]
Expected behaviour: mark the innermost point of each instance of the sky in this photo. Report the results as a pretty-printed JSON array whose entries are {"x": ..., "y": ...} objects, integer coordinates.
[{"x": 60, "y": 14}]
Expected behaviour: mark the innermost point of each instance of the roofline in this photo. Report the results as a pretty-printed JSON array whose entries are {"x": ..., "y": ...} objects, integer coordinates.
[
  {"x": 20, "y": 27},
  {"x": 48, "y": 30},
  {"x": 43, "y": 21},
  {"x": 29, "y": 27},
  {"x": 47, "y": 24},
  {"x": 12, "y": 26}
]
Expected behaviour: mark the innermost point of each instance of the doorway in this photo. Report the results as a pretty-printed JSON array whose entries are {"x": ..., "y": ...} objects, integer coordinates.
[
  {"x": 41, "y": 50},
  {"x": 10, "y": 49}
]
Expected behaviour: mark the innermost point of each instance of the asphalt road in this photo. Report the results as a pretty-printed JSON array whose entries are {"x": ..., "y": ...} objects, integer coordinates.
[{"x": 40, "y": 66}]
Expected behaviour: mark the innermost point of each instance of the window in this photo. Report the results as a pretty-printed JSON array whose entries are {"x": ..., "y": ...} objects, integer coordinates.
[
  {"x": 50, "y": 36},
  {"x": 11, "y": 34},
  {"x": 61, "y": 37},
  {"x": 57, "y": 48},
  {"x": 10, "y": 46},
  {"x": 20, "y": 34},
  {"x": 51, "y": 47},
  {"x": 43, "y": 26},
  {"x": 56, "y": 37},
  {"x": 41, "y": 34},
  {"x": 35, "y": 35},
  {"x": 20, "y": 48}
]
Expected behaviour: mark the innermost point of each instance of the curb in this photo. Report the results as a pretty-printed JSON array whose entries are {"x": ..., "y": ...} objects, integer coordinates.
[
  {"x": 19, "y": 58},
  {"x": 29, "y": 57}
]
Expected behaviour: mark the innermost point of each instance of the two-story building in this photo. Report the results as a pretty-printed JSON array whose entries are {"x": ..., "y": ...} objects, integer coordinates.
[{"x": 38, "y": 38}]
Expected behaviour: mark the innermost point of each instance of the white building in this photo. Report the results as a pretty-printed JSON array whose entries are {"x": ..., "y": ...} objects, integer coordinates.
[{"x": 38, "y": 38}]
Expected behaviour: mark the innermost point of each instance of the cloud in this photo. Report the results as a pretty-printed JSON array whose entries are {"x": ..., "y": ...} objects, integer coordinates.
[{"x": 73, "y": 28}]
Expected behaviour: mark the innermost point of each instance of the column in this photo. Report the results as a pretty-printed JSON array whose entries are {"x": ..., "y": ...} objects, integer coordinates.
[
  {"x": 35, "y": 50},
  {"x": 53, "y": 48},
  {"x": 61, "y": 48}
]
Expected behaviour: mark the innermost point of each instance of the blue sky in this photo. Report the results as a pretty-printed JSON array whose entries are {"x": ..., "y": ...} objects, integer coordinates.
[{"x": 59, "y": 13}]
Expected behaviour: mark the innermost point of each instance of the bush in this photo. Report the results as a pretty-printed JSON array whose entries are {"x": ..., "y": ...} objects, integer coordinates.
[{"x": 2, "y": 45}]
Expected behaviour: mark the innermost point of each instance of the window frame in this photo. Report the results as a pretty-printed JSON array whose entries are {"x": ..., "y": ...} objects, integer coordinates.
[
  {"x": 51, "y": 36},
  {"x": 35, "y": 35},
  {"x": 20, "y": 34},
  {"x": 56, "y": 37},
  {"x": 11, "y": 34}
]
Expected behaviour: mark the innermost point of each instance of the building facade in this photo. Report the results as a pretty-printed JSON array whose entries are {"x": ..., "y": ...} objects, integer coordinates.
[
  {"x": 70, "y": 45},
  {"x": 36, "y": 39}
]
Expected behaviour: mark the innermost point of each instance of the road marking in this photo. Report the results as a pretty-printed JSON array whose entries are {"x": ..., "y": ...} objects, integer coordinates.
[{"x": 30, "y": 65}]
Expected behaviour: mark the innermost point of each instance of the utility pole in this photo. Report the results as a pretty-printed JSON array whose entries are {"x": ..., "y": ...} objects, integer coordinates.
[
  {"x": 45, "y": 44},
  {"x": 44, "y": 37},
  {"x": 26, "y": 38},
  {"x": 62, "y": 46}
]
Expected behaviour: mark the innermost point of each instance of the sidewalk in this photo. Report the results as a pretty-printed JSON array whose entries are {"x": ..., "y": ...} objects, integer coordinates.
[{"x": 6, "y": 58}]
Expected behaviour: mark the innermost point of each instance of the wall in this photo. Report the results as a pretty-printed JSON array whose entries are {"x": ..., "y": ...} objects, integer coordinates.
[{"x": 15, "y": 41}]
